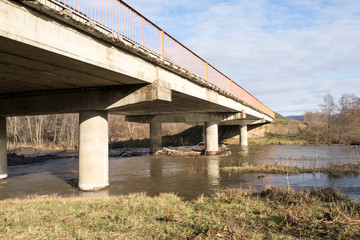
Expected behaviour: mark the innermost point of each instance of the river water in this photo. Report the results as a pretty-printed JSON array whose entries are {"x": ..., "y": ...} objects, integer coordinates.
[{"x": 189, "y": 177}]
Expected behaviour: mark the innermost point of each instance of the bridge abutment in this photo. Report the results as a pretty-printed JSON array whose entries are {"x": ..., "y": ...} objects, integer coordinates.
[
  {"x": 3, "y": 150},
  {"x": 243, "y": 135},
  {"x": 211, "y": 138},
  {"x": 93, "y": 150},
  {"x": 155, "y": 137}
]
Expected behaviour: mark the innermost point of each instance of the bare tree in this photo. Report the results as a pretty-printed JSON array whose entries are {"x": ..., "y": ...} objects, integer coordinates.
[
  {"x": 130, "y": 127},
  {"x": 328, "y": 108}
]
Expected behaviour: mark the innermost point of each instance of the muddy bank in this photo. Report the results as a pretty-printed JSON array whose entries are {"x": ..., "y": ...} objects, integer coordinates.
[
  {"x": 25, "y": 157},
  {"x": 37, "y": 156}
]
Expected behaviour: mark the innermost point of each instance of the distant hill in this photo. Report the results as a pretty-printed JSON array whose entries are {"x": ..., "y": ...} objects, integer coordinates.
[{"x": 297, "y": 118}]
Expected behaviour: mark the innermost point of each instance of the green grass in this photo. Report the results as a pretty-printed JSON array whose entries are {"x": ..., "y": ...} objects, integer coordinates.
[{"x": 275, "y": 213}]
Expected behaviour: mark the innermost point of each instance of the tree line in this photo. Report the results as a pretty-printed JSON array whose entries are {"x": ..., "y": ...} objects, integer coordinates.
[
  {"x": 338, "y": 122},
  {"x": 61, "y": 131}
]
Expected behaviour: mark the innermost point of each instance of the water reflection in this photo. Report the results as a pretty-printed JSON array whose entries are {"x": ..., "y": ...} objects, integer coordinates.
[
  {"x": 213, "y": 170},
  {"x": 187, "y": 176}
]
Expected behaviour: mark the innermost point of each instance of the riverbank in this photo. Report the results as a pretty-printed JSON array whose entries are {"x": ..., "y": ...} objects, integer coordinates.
[
  {"x": 332, "y": 170},
  {"x": 299, "y": 139},
  {"x": 275, "y": 213}
]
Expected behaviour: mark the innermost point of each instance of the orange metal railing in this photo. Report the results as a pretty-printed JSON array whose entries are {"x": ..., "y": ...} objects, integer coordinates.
[{"x": 119, "y": 17}]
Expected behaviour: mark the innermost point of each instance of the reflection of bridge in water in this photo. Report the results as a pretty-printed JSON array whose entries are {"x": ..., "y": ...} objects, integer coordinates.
[{"x": 78, "y": 56}]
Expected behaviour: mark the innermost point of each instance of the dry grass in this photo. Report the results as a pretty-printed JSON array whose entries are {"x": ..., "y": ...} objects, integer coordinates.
[
  {"x": 274, "y": 213},
  {"x": 196, "y": 169},
  {"x": 267, "y": 169},
  {"x": 300, "y": 139},
  {"x": 335, "y": 171}
]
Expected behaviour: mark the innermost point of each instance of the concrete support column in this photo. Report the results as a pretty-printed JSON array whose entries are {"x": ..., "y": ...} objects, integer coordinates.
[
  {"x": 3, "y": 150},
  {"x": 93, "y": 150},
  {"x": 243, "y": 136},
  {"x": 211, "y": 141},
  {"x": 203, "y": 133},
  {"x": 155, "y": 137}
]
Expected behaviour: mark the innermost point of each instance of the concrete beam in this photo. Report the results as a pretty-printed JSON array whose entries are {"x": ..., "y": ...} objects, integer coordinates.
[
  {"x": 234, "y": 122},
  {"x": 3, "y": 149},
  {"x": 155, "y": 137},
  {"x": 93, "y": 150},
  {"x": 212, "y": 138},
  {"x": 185, "y": 117},
  {"x": 83, "y": 100},
  {"x": 244, "y": 122}
]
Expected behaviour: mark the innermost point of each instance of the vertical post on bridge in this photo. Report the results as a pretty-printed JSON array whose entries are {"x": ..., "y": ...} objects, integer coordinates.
[
  {"x": 93, "y": 150},
  {"x": 162, "y": 45},
  {"x": 3, "y": 149},
  {"x": 207, "y": 72}
]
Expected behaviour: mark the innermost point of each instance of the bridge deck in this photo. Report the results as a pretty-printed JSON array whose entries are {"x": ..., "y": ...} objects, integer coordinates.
[{"x": 73, "y": 49}]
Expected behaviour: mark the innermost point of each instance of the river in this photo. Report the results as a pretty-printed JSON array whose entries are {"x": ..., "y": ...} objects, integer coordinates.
[{"x": 189, "y": 177}]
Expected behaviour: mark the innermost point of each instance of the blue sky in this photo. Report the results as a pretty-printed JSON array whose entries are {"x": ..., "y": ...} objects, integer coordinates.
[{"x": 288, "y": 54}]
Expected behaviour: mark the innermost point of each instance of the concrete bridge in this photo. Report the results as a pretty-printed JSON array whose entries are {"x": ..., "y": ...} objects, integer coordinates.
[{"x": 95, "y": 57}]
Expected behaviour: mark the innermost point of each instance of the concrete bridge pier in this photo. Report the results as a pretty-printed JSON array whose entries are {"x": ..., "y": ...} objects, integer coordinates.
[
  {"x": 3, "y": 149},
  {"x": 203, "y": 134},
  {"x": 155, "y": 137},
  {"x": 243, "y": 135},
  {"x": 93, "y": 150},
  {"x": 211, "y": 138}
]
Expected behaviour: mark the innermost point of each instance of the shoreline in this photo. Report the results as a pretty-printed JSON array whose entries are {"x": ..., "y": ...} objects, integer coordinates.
[{"x": 334, "y": 170}]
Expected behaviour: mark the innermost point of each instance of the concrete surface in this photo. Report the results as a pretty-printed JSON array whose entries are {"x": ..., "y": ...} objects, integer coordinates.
[
  {"x": 243, "y": 135},
  {"x": 93, "y": 150},
  {"x": 211, "y": 138},
  {"x": 155, "y": 137}
]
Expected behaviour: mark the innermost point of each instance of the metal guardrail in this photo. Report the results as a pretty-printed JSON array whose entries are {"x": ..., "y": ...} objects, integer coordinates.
[{"x": 122, "y": 19}]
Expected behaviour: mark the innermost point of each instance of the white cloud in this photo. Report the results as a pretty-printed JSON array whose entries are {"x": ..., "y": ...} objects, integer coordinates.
[{"x": 285, "y": 54}]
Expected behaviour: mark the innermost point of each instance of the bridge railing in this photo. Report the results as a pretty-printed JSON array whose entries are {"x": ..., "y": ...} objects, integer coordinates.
[{"x": 119, "y": 17}]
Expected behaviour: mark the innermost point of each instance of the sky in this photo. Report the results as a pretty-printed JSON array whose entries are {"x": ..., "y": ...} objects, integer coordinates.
[{"x": 288, "y": 54}]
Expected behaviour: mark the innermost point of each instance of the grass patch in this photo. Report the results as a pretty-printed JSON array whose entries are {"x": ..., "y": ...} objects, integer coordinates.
[
  {"x": 335, "y": 171},
  {"x": 300, "y": 139},
  {"x": 275, "y": 213},
  {"x": 268, "y": 169}
]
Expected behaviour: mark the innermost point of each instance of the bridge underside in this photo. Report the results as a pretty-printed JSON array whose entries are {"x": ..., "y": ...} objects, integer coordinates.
[
  {"x": 33, "y": 75},
  {"x": 49, "y": 65}
]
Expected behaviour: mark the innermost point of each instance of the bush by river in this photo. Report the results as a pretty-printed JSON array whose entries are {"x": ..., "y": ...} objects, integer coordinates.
[{"x": 274, "y": 213}]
